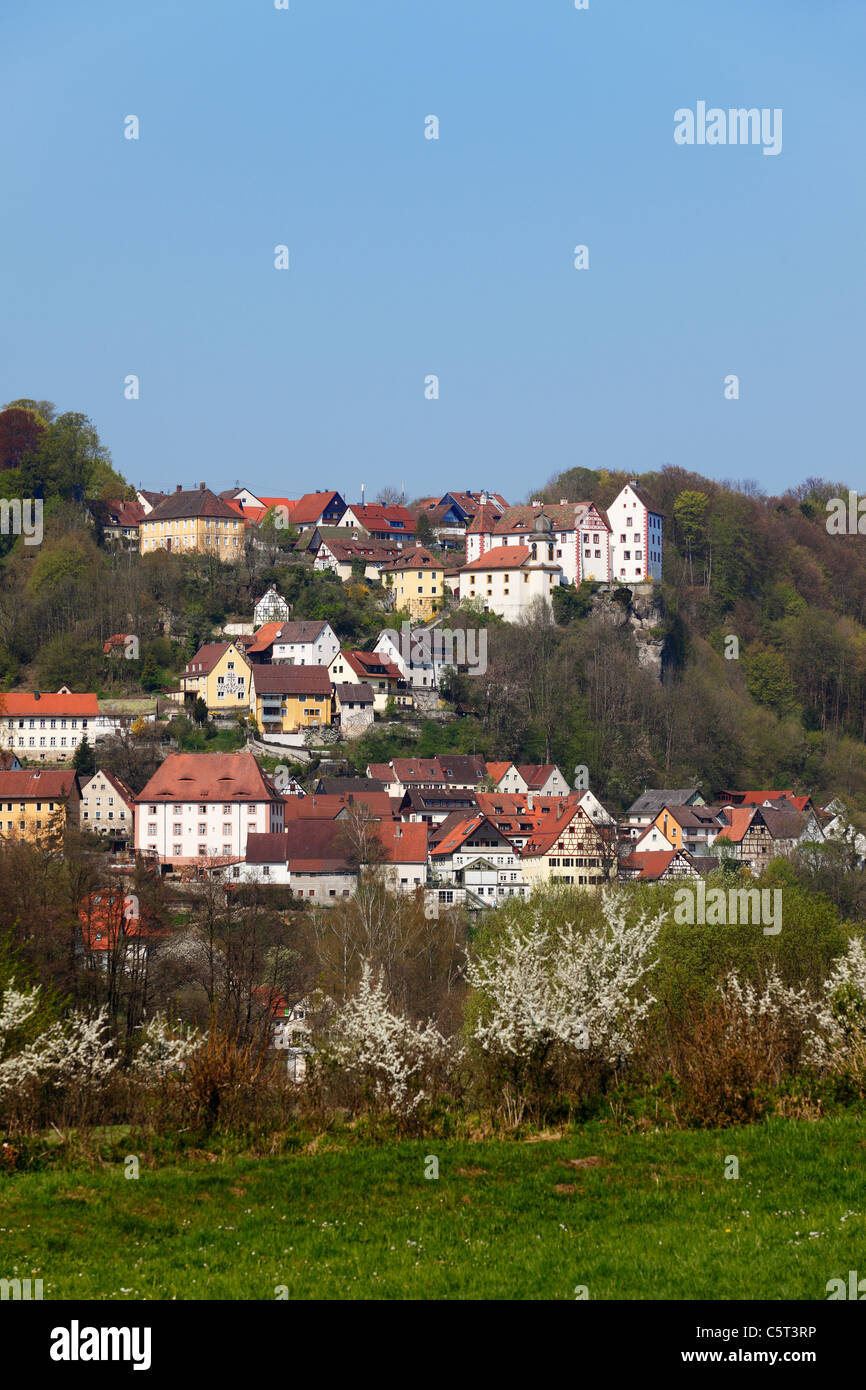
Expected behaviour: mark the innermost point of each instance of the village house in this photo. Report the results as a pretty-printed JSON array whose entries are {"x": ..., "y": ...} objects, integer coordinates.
[
  {"x": 318, "y": 509},
  {"x": 285, "y": 698},
  {"x": 48, "y": 728},
  {"x": 353, "y": 705},
  {"x": 474, "y": 844},
  {"x": 508, "y": 579},
  {"x": 203, "y": 806},
  {"x": 451, "y": 514},
  {"x": 659, "y": 866},
  {"x": 38, "y": 804},
  {"x": 193, "y": 522},
  {"x": 107, "y": 806},
  {"x": 574, "y": 851},
  {"x": 451, "y": 770},
  {"x": 692, "y": 828},
  {"x": 370, "y": 668},
  {"x": 651, "y": 801},
  {"x": 356, "y": 559},
  {"x": 120, "y": 521},
  {"x": 380, "y": 522},
  {"x": 434, "y": 806},
  {"x": 219, "y": 674},
  {"x": 417, "y": 582},
  {"x": 306, "y": 642},
  {"x": 271, "y": 608},
  {"x": 421, "y": 659}
]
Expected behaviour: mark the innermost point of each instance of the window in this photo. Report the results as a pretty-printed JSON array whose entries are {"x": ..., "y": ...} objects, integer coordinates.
[
  {"x": 202, "y": 810},
  {"x": 202, "y": 829},
  {"x": 151, "y": 829},
  {"x": 176, "y": 849},
  {"x": 177, "y": 828},
  {"x": 151, "y": 810}
]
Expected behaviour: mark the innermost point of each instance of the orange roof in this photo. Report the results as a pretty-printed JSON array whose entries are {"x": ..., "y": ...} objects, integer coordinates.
[
  {"x": 403, "y": 844},
  {"x": 652, "y": 864},
  {"x": 309, "y": 508},
  {"x": 497, "y": 770},
  {"x": 21, "y": 702},
  {"x": 501, "y": 557},
  {"x": 544, "y": 841},
  {"x": 264, "y": 638},
  {"x": 739, "y": 819},
  {"x": 459, "y": 832}
]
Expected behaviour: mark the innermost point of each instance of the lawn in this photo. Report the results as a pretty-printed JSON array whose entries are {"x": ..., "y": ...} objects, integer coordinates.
[{"x": 628, "y": 1216}]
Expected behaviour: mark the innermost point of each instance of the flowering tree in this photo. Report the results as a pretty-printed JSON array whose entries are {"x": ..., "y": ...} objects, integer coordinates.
[
  {"x": 164, "y": 1050},
  {"x": 383, "y": 1050},
  {"x": 552, "y": 997}
]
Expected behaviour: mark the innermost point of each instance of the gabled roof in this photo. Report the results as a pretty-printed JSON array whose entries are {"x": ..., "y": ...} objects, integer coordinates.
[
  {"x": 283, "y": 679},
  {"x": 118, "y": 513},
  {"x": 264, "y": 639},
  {"x": 371, "y": 664},
  {"x": 498, "y": 770},
  {"x": 197, "y": 502},
  {"x": 299, "y": 630},
  {"x": 652, "y": 865},
  {"x": 402, "y": 843},
  {"x": 739, "y": 820},
  {"x": 377, "y": 517},
  {"x": 563, "y": 516},
  {"x": 309, "y": 508},
  {"x": 329, "y": 806},
  {"x": 123, "y": 791},
  {"x": 460, "y": 831},
  {"x": 484, "y": 521},
  {"x": 22, "y": 702},
  {"x": 207, "y": 657},
  {"x": 643, "y": 497},
  {"x": 536, "y": 774},
  {"x": 374, "y": 552},
  {"x": 208, "y": 777}
]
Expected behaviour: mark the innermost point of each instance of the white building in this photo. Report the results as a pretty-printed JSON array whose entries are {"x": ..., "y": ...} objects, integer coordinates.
[
  {"x": 107, "y": 805},
  {"x": 203, "y": 806},
  {"x": 507, "y": 579},
  {"x": 49, "y": 727},
  {"x": 305, "y": 643},
  {"x": 271, "y": 608},
  {"x": 623, "y": 545}
]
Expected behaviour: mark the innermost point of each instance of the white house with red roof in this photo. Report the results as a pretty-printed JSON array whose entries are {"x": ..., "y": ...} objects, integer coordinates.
[
  {"x": 203, "y": 806},
  {"x": 48, "y": 728},
  {"x": 107, "y": 805},
  {"x": 372, "y": 669},
  {"x": 508, "y": 578}
]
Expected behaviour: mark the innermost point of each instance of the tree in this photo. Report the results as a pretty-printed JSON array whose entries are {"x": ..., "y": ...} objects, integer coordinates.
[
  {"x": 199, "y": 710},
  {"x": 71, "y": 462},
  {"x": 389, "y": 497},
  {"x": 424, "y": 531},
  {"x": 690, "y": 516},
  {"x": 84, "y": 760},
  {"x": 20, "y": 431}
]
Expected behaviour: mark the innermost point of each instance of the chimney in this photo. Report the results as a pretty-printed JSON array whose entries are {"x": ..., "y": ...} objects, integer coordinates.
[
  {"x": 201, "y": 487},
  {"x": 36, "y": 695},
  {"x": 563, "y": 501},
  {"x": 179, "y": 487},
  {"x": 530, "y": 801},
  {"x": 483, "y": 499},
  {"x": 362, "y": 494},
  {"x": 536, "y": 502}
]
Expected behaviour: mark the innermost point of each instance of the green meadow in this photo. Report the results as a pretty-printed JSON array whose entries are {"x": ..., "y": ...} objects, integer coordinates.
[{"x": 624, "y": 1215}]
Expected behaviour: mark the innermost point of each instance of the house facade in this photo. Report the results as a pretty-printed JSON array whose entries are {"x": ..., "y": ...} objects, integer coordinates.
[
  {"x": 305, "y": 643},
  {"x": 196, "y": 522},
  {"x": 219, "y": 674},
  {"x": 417, "y": 581},
  {"x": 47, "y": 728},
  {"x": 508, "y": 579},
  {"x": 204, "y": 806},
  {"x": 285, "y": 698},
  {"x": 37, "y": 804}
]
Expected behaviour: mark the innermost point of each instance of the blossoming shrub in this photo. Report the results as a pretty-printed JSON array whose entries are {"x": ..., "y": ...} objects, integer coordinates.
[
  {"x": 558, "y": 1008},
  {"x": 375, "y": 1057}
]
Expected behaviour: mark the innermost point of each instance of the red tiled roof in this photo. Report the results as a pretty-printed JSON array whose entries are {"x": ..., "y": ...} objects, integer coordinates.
[
  {"x": 402, "y": 844},
  {"x": 43, "y": 784},
  {"x": 372, "y": 664},
  {"x": 207, "y": 657},
  {"x": 651, "y": 865},
  {"x": 208, "y": 777},
  {"x": 417, "y": 559},
  {"x": 263, "y": 640},
  {"x": 284, "y": 679},
  {"x": 24, "y": 702},
  {"x": 328, "y": 805},
  {"x": 310, "y": 507}
]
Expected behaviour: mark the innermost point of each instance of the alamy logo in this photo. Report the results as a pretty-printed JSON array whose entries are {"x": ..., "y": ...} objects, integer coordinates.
[
  {"x": 846, "y": 516},
  {"x": 20, "y": 1289},
  {"x": 75, "y": 1343},
  {"x": 22, "y": 517},
  {"x": 738, "y": 907},
  {"x": 440, "y": 647},
  {"x": 737, "y": 126},
  {"x": 856, "y": 1288}
]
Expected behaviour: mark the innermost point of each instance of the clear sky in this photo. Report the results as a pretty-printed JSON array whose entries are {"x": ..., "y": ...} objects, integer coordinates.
[{"x": 454, "y": 257}]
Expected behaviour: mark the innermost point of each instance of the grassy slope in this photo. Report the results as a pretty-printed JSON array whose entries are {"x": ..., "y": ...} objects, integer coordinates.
[{"x": 656, "y": 1218}]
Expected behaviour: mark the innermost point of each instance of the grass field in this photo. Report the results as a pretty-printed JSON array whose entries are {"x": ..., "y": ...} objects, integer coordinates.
[{"x": 631, "y": 1216}]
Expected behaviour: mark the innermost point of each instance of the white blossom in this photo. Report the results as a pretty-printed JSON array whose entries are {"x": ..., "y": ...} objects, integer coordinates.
[
  {"x": 15, "y": 1008},
  {"x": 75, "y": 1052},
  {"x": 164, "y": 1050},
  {"x": 390, "y": 1051},
  {"x": 580, "y": 988}
]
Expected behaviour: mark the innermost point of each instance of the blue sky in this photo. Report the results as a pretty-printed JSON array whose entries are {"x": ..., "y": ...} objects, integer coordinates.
[{"x": 410, "y": 256}]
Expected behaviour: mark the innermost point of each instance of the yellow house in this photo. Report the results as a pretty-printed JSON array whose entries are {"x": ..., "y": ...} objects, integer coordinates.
[
  {"x": 219, "y": 674},
  {"x": 418, "y": 582},
  {"x": 188, "y": 522},
  {"x": 286, "y": 698},
  {"x": 35, "y": 804}
]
